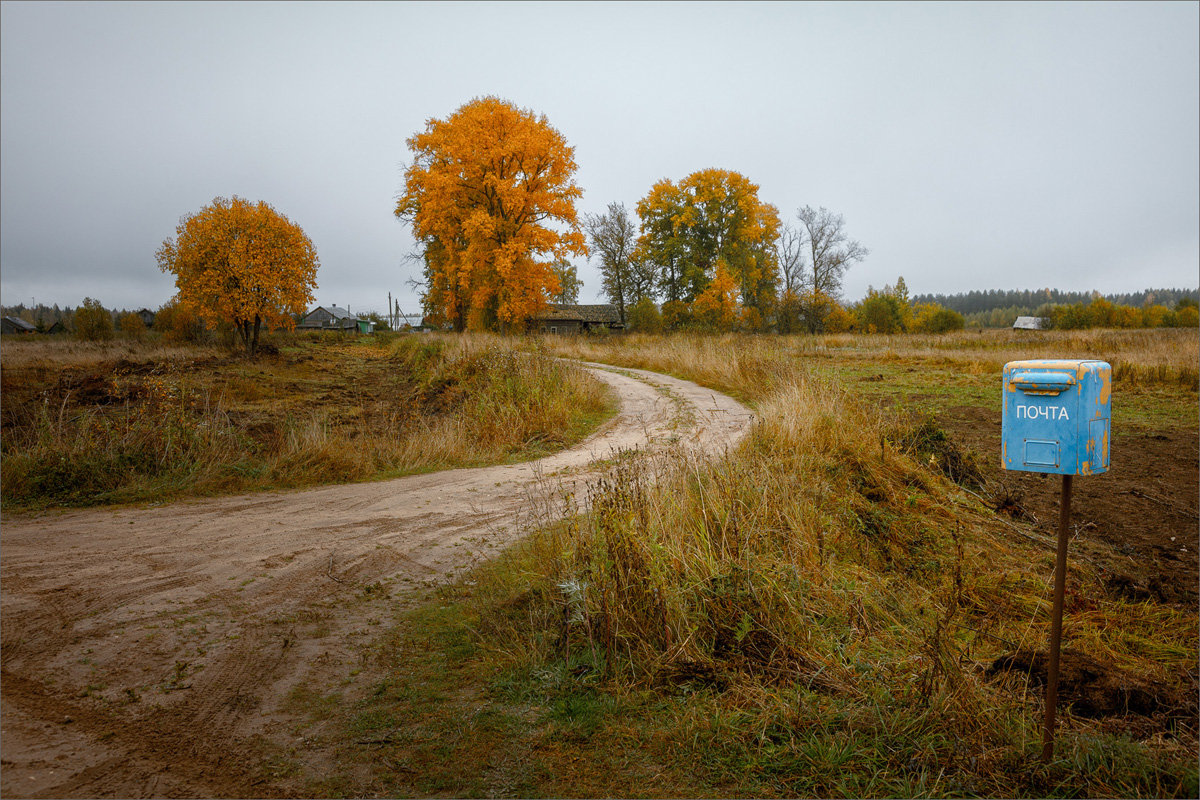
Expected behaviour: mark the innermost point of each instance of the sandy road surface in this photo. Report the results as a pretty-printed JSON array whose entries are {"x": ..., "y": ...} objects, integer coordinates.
[{"x": 150, "y": 652}]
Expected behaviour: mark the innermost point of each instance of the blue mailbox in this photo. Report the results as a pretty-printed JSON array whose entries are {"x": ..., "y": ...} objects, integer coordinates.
[{"x": 1056, "y": 416}]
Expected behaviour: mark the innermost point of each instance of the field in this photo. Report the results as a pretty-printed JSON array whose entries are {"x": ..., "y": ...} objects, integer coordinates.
[
  {"x": 129, "y": 422},
  {"x": 853, "y": 601}
]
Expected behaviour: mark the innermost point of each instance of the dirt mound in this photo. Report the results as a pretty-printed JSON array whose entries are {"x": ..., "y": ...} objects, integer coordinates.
[{"x": 1095, "y": 689}]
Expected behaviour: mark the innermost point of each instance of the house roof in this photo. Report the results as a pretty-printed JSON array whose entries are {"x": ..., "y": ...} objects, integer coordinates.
[
  {"x": 335, "y": 311},
  {"x": 20, "y": 323},
  {"x": 605, "y": 313},
  {"x": 1030, "y": 323}
]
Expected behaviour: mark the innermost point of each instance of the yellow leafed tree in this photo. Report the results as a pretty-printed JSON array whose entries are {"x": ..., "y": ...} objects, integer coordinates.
[
  {"x": 491, "y": 197},
  {"x": 241, "y": 262},
  {"x": 711, "y": 217},
  {"x": 716, "y": 308}
]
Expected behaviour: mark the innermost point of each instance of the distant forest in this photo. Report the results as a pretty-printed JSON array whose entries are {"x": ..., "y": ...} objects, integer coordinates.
[{"x": 992, "y": 299}]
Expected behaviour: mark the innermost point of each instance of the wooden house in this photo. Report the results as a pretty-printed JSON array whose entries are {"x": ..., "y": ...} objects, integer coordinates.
[
  {"x": 1031, "y": 324},
  {"x": 575, "y": 319},
  {"x": 16, "y": 325},
  {"x": 329, "y": 318}
]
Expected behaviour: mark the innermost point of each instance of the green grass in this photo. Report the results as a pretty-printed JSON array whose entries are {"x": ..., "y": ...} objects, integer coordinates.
[{"x": 926, "y": 389}]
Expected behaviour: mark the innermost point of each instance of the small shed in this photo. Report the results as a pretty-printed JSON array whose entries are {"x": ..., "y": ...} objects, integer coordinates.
[
  {"x": 57, "y": 327},
  {"x": 329, "y": 318},
  {"x": 147, "y": 317},
  {"x": 1031, "y": 324},
  {"x": 560, "y": 318},
  {"x": 16, "y": 325}
]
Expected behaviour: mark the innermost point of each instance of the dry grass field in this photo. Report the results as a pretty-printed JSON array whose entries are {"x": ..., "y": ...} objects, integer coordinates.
[
  {"x": 853, "y": 603},
  {"x": 119, "y": 422}
]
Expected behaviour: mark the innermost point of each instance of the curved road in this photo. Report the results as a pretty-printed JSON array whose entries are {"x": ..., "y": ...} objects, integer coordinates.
[{"x": 145, "y": 650}]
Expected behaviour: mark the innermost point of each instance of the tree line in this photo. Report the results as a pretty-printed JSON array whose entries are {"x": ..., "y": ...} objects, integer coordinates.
[
  {"x": 1028, "y": 301},
  {"x": 90, "y": 319},
  {"x": 490, "y": 195}
]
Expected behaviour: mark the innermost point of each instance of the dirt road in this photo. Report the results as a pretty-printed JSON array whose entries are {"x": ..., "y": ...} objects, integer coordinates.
[{"x": 151, "y": 652}]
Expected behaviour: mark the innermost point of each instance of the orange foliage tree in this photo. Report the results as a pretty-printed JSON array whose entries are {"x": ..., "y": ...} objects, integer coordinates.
[
  {"x": 715, "y": 309},
  {"x": 491, "y": 198},
  {"x": 711, "y": 219},
  {"x": 242, "y": 262}
]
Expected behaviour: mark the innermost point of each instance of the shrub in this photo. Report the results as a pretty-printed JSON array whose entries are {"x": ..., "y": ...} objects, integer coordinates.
[
  {"x": 93, "y": 323},
  {"x": 177, "y": 323},
  {"x": 932, "y": 318},
  {"x": 676, "y": 315},
  {"x": 131, "y": 325},
  {"x": 643, "y": 317},
  {"x": 881, "y": 312}
]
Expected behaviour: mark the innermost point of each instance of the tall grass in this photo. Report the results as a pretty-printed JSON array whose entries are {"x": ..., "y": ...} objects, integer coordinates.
[
  {"x": 832, "y": 605},
  {"x": 167, "y": 430}
]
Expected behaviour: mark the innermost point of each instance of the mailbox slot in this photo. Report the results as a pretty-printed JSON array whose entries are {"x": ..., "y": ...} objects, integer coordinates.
[{"x": 1033, "y": 382}]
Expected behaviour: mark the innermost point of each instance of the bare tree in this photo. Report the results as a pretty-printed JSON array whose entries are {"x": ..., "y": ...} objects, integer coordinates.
[
  {"x": 613, "y": 237},
  {"x": 789, "y": 252},
  {"x": 830, "y": 250}
]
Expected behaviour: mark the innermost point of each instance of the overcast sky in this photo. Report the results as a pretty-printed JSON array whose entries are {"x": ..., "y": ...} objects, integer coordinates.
[{"x": 969, "y": 146}]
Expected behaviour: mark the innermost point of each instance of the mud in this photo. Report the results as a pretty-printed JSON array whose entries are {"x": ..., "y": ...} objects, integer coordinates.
[
  {"x": 1144, "y": 508},
  {"x": 160, "y": 651}
]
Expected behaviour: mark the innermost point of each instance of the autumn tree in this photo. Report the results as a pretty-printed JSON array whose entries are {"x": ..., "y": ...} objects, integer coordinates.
[
  {"x": 715, "y": 309},
  {"x": 244, "y": 263},
  {"x": 491, "y": 198},
  {"x": 613, "y": 238},
  {"x": 132, "y": 325},
  {"x": 712, "y": 218},
  {"x": 789, "y": 254},
  {"x": 93, "y": 322},
  {"x": 662, "y": 245},
  {"x": 569, "y": 283}
]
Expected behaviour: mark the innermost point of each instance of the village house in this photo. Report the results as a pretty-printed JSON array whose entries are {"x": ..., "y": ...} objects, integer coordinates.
[
  {"x": 558, "y": 318},
  {"x": 15, "y": 325},
  {"x": 332, "y": 318},
  {"x": 1031, "y": 324}
]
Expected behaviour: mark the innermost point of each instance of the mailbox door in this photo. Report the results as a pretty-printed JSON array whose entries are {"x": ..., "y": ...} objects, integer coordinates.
[
  {"x": 1039, "y": 422},
  {"x": 1056, "y": 417}
]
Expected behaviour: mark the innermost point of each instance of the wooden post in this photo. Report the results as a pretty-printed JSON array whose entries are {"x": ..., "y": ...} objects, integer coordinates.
[{"x": 1060, "y": 586}]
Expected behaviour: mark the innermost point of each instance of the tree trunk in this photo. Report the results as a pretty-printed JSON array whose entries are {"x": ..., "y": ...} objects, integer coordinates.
[{"x": 254, "y": 341}]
